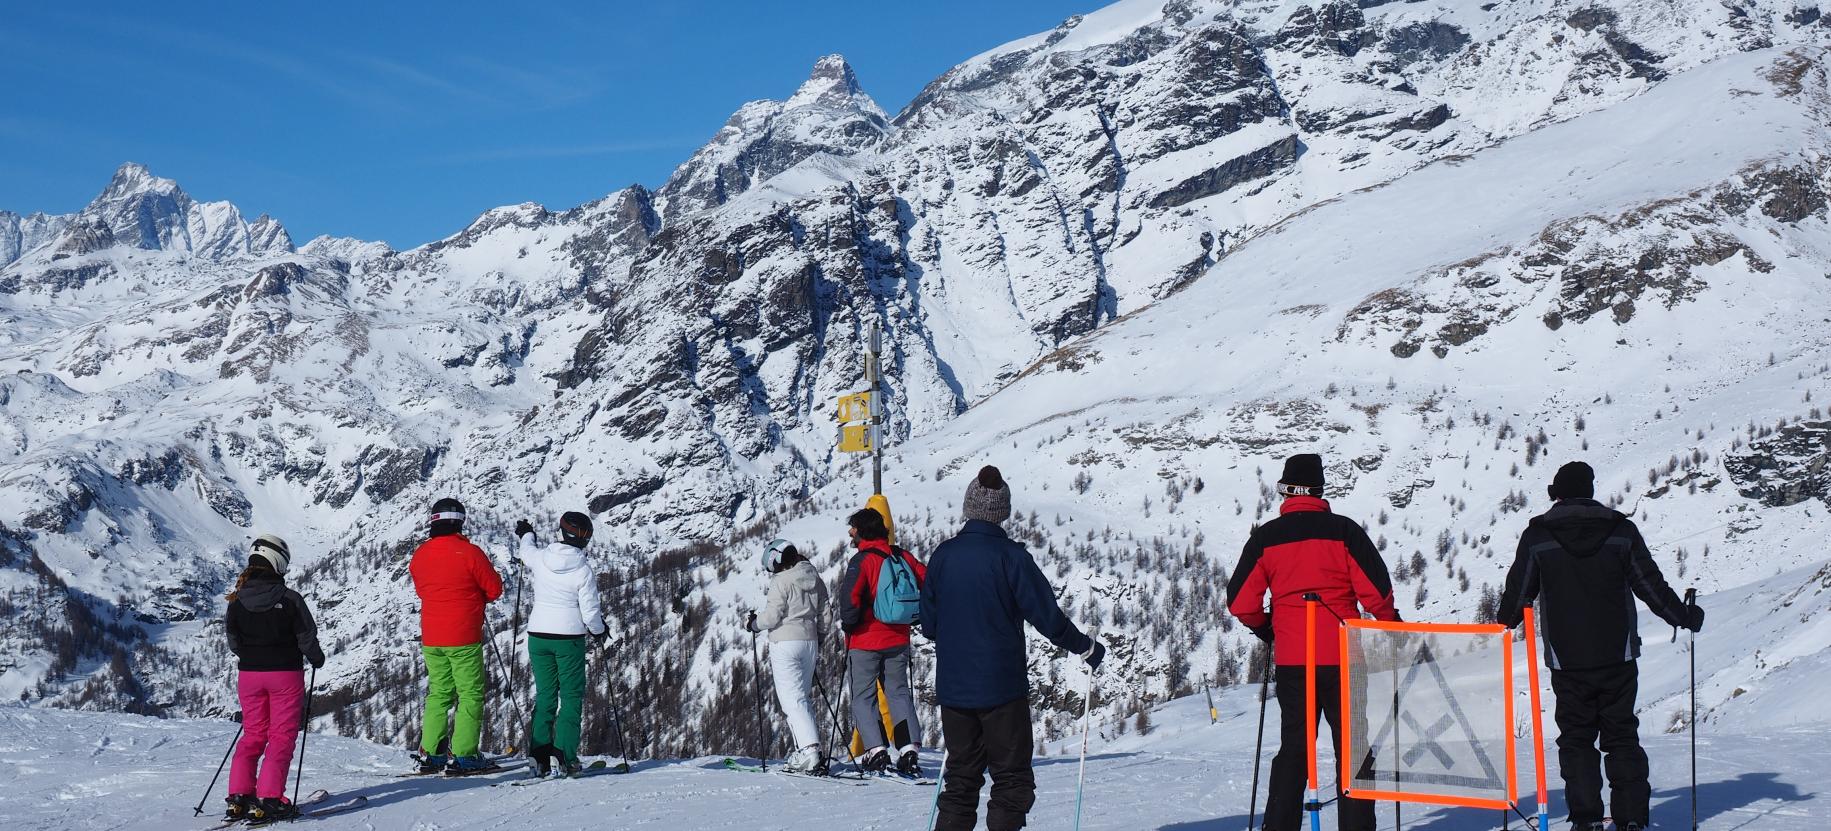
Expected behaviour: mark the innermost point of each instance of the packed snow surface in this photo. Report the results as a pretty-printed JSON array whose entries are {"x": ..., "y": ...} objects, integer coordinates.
[{"x": 1758, "y": 756}]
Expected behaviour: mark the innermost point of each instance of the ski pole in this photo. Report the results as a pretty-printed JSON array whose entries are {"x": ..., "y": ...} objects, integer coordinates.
[
  {"x": 1690, "y": 601},
  {"x": 839, "y": 707},
  {"x": 934, "y": 811},
  {"x": 756, "y": 663},
  {"x": 1258, "y": 747},
  {"x": 509, "y": 680},
  {"x": 616, "y": 709},
  {"x": 219, "y": 767},
  {"x": 305, "y": 720},
  {"x": 1087, "y": 708},
  {"x": 1214, "y": 716}
]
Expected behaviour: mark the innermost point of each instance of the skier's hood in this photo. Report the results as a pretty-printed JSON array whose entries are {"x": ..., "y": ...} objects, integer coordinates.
[
  {"x": 261, "y": 595},
  {"x": 803, "y": 577},
  {"x": 562, "y": 558},
  {"x": 1581, "y": 526}
]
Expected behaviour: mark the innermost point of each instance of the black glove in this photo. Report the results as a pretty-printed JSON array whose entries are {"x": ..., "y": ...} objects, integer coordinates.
[
  {"x": 1694, "y": 618},
  {"x": 1094, "y": 656},
  {"x": 1263, "y": 633},
  {"x": 601, "y": 639},
  {"x": 523, "y": 528},
  {"x": 750, "y": 623}
]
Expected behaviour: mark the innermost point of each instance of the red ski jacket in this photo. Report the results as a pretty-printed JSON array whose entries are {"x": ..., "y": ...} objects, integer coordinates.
[
  {"x": 1308, "y": 549},
  {"x": 454, "y": 579},
  {"x": 863, "y": 631}
]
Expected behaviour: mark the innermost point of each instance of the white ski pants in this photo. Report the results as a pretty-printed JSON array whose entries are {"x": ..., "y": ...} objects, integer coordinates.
[{"x": 793, "y": 666}]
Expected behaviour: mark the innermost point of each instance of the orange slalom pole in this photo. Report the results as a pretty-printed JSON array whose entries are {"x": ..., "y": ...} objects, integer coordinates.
[
  {"x": 1538, "y": 715},
  {"x": 1309, "y": 707},
  {"x": 1347, "y": 715},
  {"x": 1506, "y": 657}
]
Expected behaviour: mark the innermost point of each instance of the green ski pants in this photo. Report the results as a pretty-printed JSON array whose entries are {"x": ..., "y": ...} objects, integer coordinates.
[
  {"x": 559, "y": 693},
  {"x": 454, "y": 675}
]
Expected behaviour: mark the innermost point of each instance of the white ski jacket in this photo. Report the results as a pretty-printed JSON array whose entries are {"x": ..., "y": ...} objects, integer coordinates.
[
  {"x": 797, "y": 602},
  {"x": 565, "y": 589}
]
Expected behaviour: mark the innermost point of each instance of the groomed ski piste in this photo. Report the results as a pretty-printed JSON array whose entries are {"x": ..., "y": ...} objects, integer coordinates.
[{"x": 1764, "y": 744}]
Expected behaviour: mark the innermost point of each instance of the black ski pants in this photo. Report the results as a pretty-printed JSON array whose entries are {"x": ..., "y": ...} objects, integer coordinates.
[
  {"x": 1291, "y": 767},
  {"x": 995, "y": 739},
  {"x": 1592, "y": 704}
]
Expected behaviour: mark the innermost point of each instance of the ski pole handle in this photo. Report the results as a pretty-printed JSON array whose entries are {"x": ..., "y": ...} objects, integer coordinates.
[{"x": 1690, "y": 601}]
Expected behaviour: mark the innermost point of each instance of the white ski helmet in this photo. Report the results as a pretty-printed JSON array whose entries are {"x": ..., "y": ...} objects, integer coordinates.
[
  {"x": 774, "y": 554},
  {"x": 274, "y": 551}
]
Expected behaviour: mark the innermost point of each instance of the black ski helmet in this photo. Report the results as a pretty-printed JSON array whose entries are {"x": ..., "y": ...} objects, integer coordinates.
[
  {"x": 447, "y": 517},
  {"x": 575, "y": 529}
]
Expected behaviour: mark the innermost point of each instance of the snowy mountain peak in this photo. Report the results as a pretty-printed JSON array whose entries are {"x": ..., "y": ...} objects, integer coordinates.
[
  {"x": 833, "y": 84},
  {"x": 830, "y": 113},
  {"x": 142, "y": 210},
  {"x": 132, "y": 179}
]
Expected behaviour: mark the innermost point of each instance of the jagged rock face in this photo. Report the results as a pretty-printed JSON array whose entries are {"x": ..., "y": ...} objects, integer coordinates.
[
  {"x": 1659, "y": 253},
  {"x": 19, "y": 234},
  {"x": 1791, "y": 465}
]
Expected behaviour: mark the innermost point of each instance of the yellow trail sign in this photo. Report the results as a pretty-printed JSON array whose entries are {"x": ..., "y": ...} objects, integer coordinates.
[
  {"x": 855, "y": 407},
  {"x": 855, "y": 438}
]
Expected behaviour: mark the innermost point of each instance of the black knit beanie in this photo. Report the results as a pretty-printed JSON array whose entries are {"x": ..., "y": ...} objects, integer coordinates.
[
  {"x": 1302, "y": 475},
  {"x": 1576, "y": 480}
]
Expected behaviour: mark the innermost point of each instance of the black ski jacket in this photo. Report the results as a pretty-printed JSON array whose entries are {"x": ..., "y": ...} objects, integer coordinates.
[
  {"x": 1585, "y": 564},
  {"x": 270, "y": 629}
]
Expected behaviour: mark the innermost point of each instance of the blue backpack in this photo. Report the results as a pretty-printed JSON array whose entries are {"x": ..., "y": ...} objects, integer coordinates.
[{"x": 899, "y": 595}]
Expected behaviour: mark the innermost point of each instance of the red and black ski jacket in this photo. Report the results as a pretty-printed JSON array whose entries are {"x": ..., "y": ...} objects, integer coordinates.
[{"x": 1308, "y": 549}]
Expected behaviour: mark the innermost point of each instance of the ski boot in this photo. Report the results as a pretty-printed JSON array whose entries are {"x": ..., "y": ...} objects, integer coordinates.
[
  {"x": 877, "y": 761},
  {"x": 239, "y": 806},
  {"x": 272, "y": 809},
  {"x": 570, "y": 768},
  {"x": 467, "y": 765},
  {"x": 806, "y": 760},
  {"x": 543, "y": 759},
  {"x": 909, "y": 764},
  {"x": 434, "y": 763}
]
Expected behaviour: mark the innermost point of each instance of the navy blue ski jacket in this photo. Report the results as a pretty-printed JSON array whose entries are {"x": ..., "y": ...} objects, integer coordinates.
[{"x": 982, "y": 587}]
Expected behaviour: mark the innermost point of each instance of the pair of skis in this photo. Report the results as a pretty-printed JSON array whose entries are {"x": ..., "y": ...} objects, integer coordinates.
[
  {"x": 319, "y": 803},
  {"x": 498, "y": 764},
  {"x": 597, "y": 768},
  {"x": 860, "y": 778}
]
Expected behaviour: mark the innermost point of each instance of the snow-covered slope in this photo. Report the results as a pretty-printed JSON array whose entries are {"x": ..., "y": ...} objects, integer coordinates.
[
  {"x": 1134, "y": 260},
  {"x": 1758, "y": 756}
]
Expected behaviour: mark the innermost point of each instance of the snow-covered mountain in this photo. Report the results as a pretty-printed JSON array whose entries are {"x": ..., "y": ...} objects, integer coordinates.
[{"x": 1134, "y": 260}]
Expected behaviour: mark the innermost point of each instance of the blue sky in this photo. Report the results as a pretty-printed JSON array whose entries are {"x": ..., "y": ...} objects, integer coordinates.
[{"x": 403, "y": 121}]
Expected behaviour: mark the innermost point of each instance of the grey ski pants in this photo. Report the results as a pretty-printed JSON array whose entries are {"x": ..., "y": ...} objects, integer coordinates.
[{"x": 866, "y": 668}]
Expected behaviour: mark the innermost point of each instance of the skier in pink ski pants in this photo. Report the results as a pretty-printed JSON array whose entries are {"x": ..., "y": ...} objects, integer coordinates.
[{"x": 272, "y": 635}]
